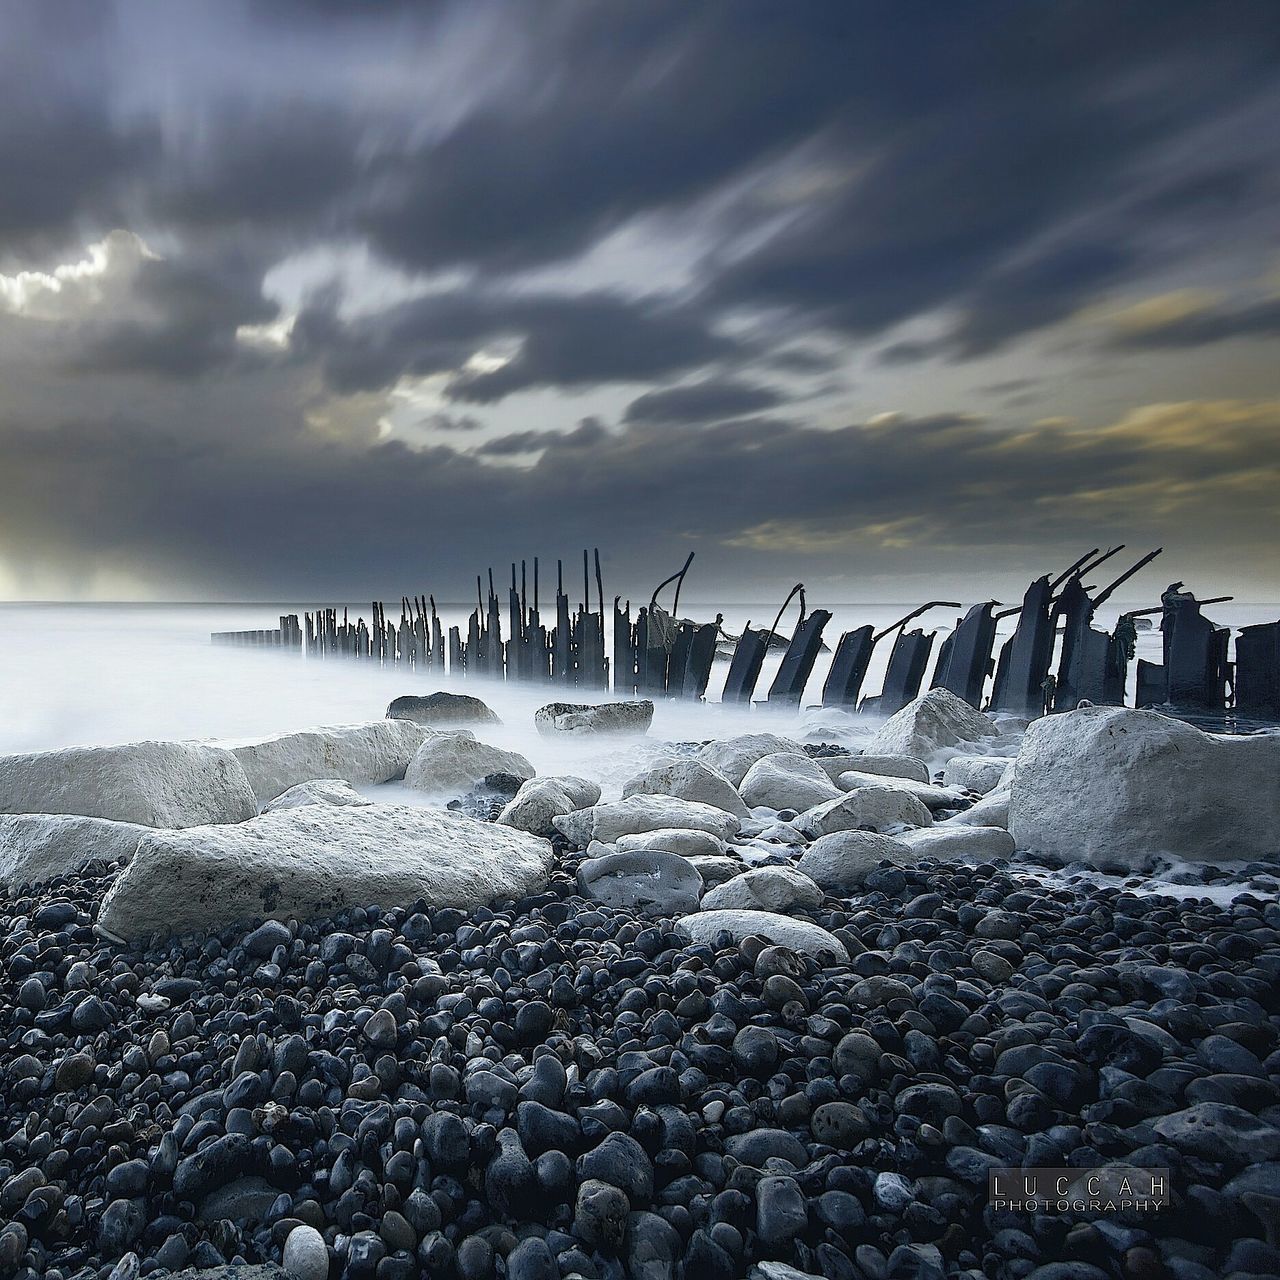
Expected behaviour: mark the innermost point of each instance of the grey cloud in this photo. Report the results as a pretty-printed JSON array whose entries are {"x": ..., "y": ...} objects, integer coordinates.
[{"x": 706, "y": 401}]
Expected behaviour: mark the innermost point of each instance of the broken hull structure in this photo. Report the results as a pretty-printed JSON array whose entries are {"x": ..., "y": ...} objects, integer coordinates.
[{"x": 656, "y": 653}]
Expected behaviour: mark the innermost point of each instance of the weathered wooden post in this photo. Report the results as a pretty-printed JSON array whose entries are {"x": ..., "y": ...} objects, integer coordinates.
[
  {"x": 1257, "y": 671},
  {"x": 964, "y": 658},
  {"x": 797, "y": 663},
  {"x": 848, "y": 668}
]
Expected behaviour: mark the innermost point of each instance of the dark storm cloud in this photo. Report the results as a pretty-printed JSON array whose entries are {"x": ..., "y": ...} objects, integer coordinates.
[
  {"x": 773, "y": 493},
  {"x": 709, "y": 401},
  {"x": 562, "y": 340},
  {"x": 185, "y": 321},
  {"x": 740, "y": 199}
]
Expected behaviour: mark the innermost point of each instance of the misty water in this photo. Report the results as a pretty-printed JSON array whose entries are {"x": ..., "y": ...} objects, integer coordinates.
[{"x": 109, "y": 673}]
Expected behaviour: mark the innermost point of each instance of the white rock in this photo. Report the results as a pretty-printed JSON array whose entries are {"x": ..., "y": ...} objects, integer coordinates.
[
  {"x": 991, "y": 811},
  {"x": 841, "y": 862},
  {"x": 765, "y": 889},
  {"x": 930, "y": 796},
  {"x": 786, "y": 780},
  {"x": 1111, "y": 786},
  {"x": 155, "y": 784},
  {"x": 377, "y": 751},
  {"x": 582, "y": 791},
  {"x": 934, "y": 720},
  {"x": 647, "y": 880},
  {"x": 978, "y": 774},
  {"x": 617, "y": 818},
  {"x": 314, "y": 861},
  {"x": 688, "y": 844},
  {"x": 716, "y": 870},
  {"x": 607, "y": 718},
  {"x": 688, "y": 780},
  {"x": 887, "y": 766},
  {"x": 878, "y": 808},
  {"x": 318, "y": 791},
  {"x": 451, "y": 764},
  {"x": 540, "y": 800},
  {"x": 305, "y": 1255},
  {"x": 35, "y": 847},
  {"x": 732, "y": 757},
  {"x": 783, "y": 931},
  {"x": 959, "y": 843}
]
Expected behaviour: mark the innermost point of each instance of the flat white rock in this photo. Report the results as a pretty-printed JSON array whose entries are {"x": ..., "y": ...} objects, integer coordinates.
[
  {"x": 930, "y": 796},
  {"x": 688, "y": 780},
  {"x": 316, "y": 860},
  {"x": 376, "y": 751},
  {"x": 887, "y": 766},
  {"x": 36, "y": 847},
  {"x": 604, "y": 718},
  {"x": 934, "y": 720},
  {"x": 1111, "y": 786},
  {"x": 878, "y": 808},
  {"x": 960, "y": 843},
  {"x": 451, "y": 764},
  {"x": 318, "y": 791},
  {"x": 765, "y": 889},
  {"x": 991, "y": 811},
  {"x": 617, "y": 818},
  {"x": 732, "y": 757},
  {"x": 685, "y": 842},
  {"x": 155, "y": 784},
  {"x": 786, "y": 780},
  {"x": 783, "y": 931}
]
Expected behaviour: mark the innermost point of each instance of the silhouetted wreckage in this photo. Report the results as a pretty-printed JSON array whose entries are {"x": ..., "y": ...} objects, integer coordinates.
[{"x": 659, "y": 653}]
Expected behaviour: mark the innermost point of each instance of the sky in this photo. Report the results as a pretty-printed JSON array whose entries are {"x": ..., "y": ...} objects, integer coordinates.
[{"x": 304, "y": 299}]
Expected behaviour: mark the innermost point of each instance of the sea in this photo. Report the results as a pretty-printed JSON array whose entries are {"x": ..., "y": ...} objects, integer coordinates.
[{"x": 95, "y": 674}]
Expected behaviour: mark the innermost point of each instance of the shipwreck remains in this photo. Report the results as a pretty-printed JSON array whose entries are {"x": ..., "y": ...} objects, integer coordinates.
[{"x": 659, "y": 653}]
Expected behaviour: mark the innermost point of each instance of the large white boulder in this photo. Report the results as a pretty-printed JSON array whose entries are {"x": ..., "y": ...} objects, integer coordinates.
[
  {"x": 886, "y": 766},
  {"x": 930, "y": 796},
  {"x": 635, "y": 814},
  {"x": 36, "y": 847},
  {"x": 318, "y": 791},
  {"x": 959, "y": 843},
  {"x": 841, "y": 862},
  {"x": 540, "y": 800},
  {"x": 314, "y": 861},
  {"x": 786, "y": 780},
  {"x": 155, "y": 784},
  {"x": 605, "y": 718},
  {"x": 875, "y": 808},
  {"x": 1111, "y": 786},
  {"x": 732, "y": 757},
  {"x": 979, "y": 774},
  {"x": 765, "y": 889},
  {"x": 932, "y": 721},
  {"x": 452, "y": 763},
  {"x": 784, "y": 931},
  {"x": 377, "y": 751},
  {"x": 688, "y": 780}
]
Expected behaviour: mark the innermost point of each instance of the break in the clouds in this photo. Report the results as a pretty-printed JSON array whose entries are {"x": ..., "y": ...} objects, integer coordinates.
[{"x": 325, "y": 297}]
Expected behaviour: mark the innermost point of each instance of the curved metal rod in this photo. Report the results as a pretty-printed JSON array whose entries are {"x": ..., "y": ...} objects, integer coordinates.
[
  {"x": 915, "y": 613},
  {"x": 653, "y": 599},
  {"x": 1102, "y": 559},
  {"x": 1070, "y": 569},
  {"x": 798, "y": 589},
  {"x": 1102, "y": 596}
]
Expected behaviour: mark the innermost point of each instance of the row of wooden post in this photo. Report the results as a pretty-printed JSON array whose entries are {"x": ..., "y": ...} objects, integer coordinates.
[{"x": 659, "y": 654}]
